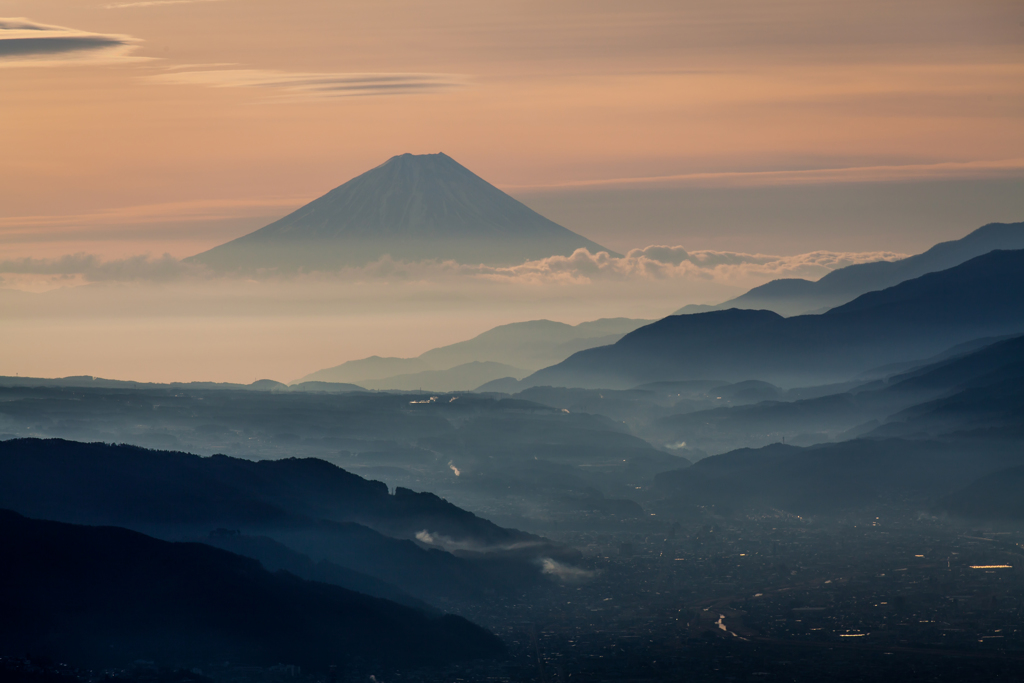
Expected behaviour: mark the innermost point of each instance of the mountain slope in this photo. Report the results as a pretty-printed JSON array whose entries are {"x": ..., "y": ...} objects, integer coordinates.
[
  {"x": 465, "y": 377},
  {"x": 828, "y": 478},
  {"x": 309, "y": 505},
  {"x": 915, "y": 319},
  {"x": 532, "y": 344},
  {"x": 108, "y": 596},
  {"x": 413, "y": 207},
  {"x": 928, "y": 400},
  {"x": 795, "y": 296}
]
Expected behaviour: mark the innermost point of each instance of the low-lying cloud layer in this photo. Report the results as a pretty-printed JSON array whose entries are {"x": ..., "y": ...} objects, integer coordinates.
[
  {"x": 93, "y": 269},
  {"x": 581, "y": 268},
  {"x": 24, "y": 42},
  {"x": 663, "y": 262}
]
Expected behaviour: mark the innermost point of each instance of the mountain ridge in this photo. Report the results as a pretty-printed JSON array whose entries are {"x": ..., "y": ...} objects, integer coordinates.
[
  {"x": 982, "y": 297},
  {"x": 795, "y": 296}
]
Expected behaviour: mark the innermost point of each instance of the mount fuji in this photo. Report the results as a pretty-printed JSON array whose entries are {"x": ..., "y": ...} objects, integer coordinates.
[{"x": 411, "y": 207}]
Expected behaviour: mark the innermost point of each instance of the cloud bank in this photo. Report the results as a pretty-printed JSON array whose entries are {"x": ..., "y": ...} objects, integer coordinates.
[
  {"x": 91, "y": 268},
  {"x": 652, "y": 263},
  {"x": 24, "y": 42}
]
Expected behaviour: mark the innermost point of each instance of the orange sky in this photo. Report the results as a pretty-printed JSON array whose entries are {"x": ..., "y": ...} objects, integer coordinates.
[
  {"x": 801, "y": 128},
  {"x": 187, "y": 123}
]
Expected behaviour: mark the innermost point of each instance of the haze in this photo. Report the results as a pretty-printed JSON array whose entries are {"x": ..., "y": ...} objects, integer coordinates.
[{"x": 537, "y": 342}]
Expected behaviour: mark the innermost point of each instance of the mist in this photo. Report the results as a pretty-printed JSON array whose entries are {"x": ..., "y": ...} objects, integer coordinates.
[{"x": 161, "y": 320}]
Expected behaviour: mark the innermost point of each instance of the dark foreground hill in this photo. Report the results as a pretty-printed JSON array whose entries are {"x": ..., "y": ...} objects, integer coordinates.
[
  {"x": 412, "y": 207},
  {"x": 105, "y": 596},
  {"x": 108, "y": 484},
  {"x": 915, "y": 319},
  {"x": 310, "y": 506},
  {"x": 794, "y": 296}
]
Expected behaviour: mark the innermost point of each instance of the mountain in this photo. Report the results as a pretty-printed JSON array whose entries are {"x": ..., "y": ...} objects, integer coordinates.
[
  {"x": 89, "y": 382},
  {"x": 311, "y": 506},
  {"x": 412, "y": 207},
  {"x": 510, "y": 454},
  {"x": 915, "y": 319},
  {"x": 106, "y": 596},
  {"x": 463, "y": 377},
  {"x": 831, "y": 478},
  {"x": 994, "y": 497},
  {"x": 974, "y": 390},
  {"x": 532, "y": 345},
  {"x": 795, "y": 296}
]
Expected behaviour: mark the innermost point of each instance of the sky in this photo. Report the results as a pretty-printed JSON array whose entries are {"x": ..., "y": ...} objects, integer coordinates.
[{"x": 769, "y": 127}]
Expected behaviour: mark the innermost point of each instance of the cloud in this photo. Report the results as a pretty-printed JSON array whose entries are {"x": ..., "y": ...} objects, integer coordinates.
[
  {"x": 650, "y": 264},
  {"x": 564, "y": 572},
  {"x": 814, "y": 176},
  {"x": 451, "y": 545},
  {"x": 303, "y": 86},
  {"x": 27, "y": 43},
  {"x": 664, "y": 262},
  {"x": 93, "y": 269}
]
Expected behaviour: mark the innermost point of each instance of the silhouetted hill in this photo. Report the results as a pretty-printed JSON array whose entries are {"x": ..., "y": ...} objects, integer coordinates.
[
  {"x": 107, "y": 484},
  {"x": 275, "y": 556},
  {"x": 410, "y": 440},
  {"x": 104, "y": 596},
  {"x": 933, "y": 399},
  {"x": 915, "y": 319},
  {"x": 832, "y": 478},
  {"x": 531, "y": 345},
  {"x": 796, "y": 296},
  {"x": 412, "y": 207},
  {"x": 463, "y": 377},
  {"x": 89, "y": 382},
  {"x": 311, "y": 506},
  {"x": 326, "y": 387}
]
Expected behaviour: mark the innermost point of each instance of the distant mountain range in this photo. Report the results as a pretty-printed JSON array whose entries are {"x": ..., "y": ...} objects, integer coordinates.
[
  {"x": 515, "y": 350},
  {"x": 967, "y": 391},
  {"x": 796, "y": 296},
  {"x": 413, "y": 208},
  {"x": 914, "y": 319},
  {"x": 106, "y": 596}
]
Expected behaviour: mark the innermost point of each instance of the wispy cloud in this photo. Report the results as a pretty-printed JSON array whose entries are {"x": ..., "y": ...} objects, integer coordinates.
[
  {"x": 302, "y": 86},
  {"x": 565, "y": 572},
  {"x": 851, "y": 174},
  {"x": 198, "y": 210},
  {"x": 24, "y": 42}
]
